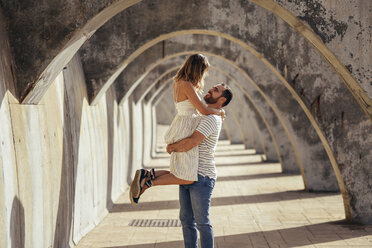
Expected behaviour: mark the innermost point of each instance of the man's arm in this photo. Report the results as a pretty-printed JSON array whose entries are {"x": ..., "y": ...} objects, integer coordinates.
[{"x": 186, "y": 144}]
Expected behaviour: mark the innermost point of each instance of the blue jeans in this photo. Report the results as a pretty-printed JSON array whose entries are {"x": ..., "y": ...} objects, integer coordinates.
[{"x": 195, "y": 200}]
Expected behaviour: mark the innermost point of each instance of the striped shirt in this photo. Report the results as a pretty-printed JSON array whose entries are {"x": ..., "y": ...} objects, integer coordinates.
[{"x": 210, "y": 127}]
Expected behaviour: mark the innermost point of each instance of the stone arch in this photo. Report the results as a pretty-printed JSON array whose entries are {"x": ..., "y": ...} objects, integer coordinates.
[
  {"x": 232, "y": 125},
  {"x": 128, "y": 90},
  {"x": 276, "y": 154},
  {"x": 357, "y": 125},
  {"x": 32, "y": 90},
  {"x": 153, "y": 84},
  {"x": 172, "y": 57},
  {"x": 35, "y": 89},
  {"x": 309, "y": 115}
]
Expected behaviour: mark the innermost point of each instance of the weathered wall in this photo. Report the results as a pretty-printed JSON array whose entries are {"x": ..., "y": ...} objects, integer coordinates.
[
  {"x": 345, "y": 27},
  {"x": 63, "y": 161},
  {"x": 40, "y": 30}
]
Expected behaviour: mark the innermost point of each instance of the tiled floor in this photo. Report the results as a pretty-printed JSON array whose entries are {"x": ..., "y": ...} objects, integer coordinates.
[{"x": 253, "y": 205}]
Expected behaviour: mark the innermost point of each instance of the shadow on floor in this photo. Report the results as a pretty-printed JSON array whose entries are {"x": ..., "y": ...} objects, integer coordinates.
[
  {"x": 245, "y": 153},
  {"x": 165, "y": 166},
  {"x": 256, "y": 163},
  {"x": 255, "y": 176},
  {"x": 323, "y": 233},
  {"x": 223, "y": 201}
]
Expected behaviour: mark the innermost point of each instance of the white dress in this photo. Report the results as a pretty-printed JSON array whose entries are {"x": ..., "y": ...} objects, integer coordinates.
[{"x": 184, "y": 165}]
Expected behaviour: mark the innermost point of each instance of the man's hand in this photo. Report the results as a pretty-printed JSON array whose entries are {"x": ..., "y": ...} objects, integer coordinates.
[
  {"x": 170, "y": 149},
  {"x": 186, "y": 144}
]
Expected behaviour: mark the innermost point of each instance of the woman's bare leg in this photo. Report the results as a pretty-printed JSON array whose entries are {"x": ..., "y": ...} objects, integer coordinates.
[
  {"x": 159, "y": 173},
  {"x": 164, "y": 177},
  {"x": 169, "y": 179}
]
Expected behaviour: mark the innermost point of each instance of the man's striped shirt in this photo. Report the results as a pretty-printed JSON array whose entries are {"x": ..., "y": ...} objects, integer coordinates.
[{"x": 210, "y": 127}]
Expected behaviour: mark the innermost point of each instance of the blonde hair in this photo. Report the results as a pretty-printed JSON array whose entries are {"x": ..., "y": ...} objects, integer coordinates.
[{"x": 193, "y": 71}]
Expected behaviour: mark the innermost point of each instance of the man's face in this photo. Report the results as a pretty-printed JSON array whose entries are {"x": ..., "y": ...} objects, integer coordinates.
[{"x": 214, "y": 94}]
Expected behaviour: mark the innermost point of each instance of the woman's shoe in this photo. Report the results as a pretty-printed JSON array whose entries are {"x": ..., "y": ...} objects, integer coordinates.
[
  {"x": 138, "y": 186},
  {"x": 148, "y": 183},
  {"x": 135, "y": 186},
  {"x": 152, "y": 174},
  {"x": 133, "y": 200}
]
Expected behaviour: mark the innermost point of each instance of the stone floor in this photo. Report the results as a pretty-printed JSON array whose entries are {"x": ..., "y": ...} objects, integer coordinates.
[{"x": 253, "y": 205}]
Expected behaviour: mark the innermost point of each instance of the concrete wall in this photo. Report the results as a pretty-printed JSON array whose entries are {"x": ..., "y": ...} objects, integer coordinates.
[
  {"x": 166, "y": 117},
  {"x": 148, "y": 122},
  {"x": 12, "y": 213},
  {"x": 63, "y": 162}
]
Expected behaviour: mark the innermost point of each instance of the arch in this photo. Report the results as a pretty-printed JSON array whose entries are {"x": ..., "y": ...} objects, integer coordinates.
[
  {"x": 365, "y": 107},
  {"x": 144, "y": 74},
  {"x": 151, "y": 96},
  {"x": 34, "y": 91},
  {"x": 352, "y": 85},
  {"x": 233, "y": 125},
  {"x": 308, "y": 114},
  {"x": 276, "y": 148},
  {"x": 129, "y": 90},
  {"x": 172, "y": 56},
  {"x": 240, "y": 112},
  {"x": 362, "y": 99}
]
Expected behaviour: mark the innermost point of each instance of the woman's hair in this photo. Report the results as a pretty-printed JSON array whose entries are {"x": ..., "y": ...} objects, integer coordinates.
[{"x": 193, "y": 71}]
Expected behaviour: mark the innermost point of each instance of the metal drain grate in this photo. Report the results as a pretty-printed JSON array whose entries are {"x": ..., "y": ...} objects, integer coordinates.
[{"x": 155, "y": 223}]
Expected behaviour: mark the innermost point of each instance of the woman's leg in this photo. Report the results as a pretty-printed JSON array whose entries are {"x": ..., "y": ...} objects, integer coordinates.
[
  {"x": 159, "y": 173},
  {"x": 169, "y": 179},
  {"x": 164, "y": 177}
]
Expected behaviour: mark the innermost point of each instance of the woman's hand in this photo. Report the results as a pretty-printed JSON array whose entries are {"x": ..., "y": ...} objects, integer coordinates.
[{"x": 222, "y": 114}]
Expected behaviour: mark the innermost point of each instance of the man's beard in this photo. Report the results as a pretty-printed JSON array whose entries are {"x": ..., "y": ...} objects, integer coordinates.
[{"x": 210, "y": 99}]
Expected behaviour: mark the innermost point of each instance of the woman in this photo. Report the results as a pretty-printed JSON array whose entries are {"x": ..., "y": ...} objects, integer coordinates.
[{"x": 188, "y": 82}]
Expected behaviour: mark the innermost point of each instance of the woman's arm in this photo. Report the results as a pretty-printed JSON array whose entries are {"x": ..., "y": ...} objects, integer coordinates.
[{"x": 189, "y": 91}]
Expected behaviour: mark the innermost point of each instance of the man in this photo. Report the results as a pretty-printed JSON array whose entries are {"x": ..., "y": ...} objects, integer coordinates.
[{"x": 195, "y": 198}]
